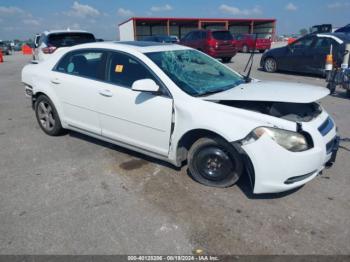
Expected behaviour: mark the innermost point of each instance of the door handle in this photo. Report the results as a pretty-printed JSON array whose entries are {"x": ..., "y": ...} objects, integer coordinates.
[
  {"x": 106, "y": 93},
  {"x": 55, "y": 81}
]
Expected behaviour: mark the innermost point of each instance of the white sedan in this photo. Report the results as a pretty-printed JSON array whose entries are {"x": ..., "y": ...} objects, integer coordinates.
[{"x": 179, "y": 105}]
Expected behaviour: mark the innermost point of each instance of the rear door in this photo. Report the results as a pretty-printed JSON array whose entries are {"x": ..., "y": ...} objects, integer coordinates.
[
  {"x": 76, "y": 80},
  {"x": 135, "y": 118},
  {"x": 322, "y": 47}
]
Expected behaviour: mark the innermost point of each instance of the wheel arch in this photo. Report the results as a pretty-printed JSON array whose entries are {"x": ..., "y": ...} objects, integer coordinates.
[{"x": 191, "y": 136}]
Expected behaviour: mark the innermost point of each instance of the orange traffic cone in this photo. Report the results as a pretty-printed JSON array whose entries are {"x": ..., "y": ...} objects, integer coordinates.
[{"x": 1, "y": 57}]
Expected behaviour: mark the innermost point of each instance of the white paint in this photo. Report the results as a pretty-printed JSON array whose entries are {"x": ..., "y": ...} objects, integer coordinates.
[{"x": 145, "y": 126}]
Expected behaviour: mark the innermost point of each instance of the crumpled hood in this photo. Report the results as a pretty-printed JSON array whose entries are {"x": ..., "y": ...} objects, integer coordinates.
[{"x": 273, "y": 92}]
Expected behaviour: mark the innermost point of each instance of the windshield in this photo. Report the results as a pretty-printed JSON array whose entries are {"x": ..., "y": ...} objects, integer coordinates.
[{"x": 196, "y": 73}]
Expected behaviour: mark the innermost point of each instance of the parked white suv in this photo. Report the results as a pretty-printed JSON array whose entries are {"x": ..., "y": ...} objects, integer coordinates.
[
  {"x": 178, "y": 104},
  {"x": 50, "y": 41}
]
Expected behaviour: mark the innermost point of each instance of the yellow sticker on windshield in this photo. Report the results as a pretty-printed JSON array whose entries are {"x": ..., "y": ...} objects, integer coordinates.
[{"x": 119, "y": 68}]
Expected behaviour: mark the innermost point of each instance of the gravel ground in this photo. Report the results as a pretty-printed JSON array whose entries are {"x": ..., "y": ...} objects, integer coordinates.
[{"x": 77, "y": 195}]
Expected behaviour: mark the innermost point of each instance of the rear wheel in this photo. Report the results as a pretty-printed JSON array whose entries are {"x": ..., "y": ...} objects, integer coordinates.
[
  {"x": 47, "y": 116},
  {"x": 270, "y": 65},
  {"x": 245, "y": 49},
  {"x": 214, "y": 162},
  {"x": 226, "y": 59}
]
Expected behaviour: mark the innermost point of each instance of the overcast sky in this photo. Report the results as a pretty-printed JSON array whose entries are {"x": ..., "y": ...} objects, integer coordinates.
[{"x": 21, "y": 19}]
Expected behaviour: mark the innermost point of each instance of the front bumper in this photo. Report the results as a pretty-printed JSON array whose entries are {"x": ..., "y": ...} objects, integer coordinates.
[{"x": 277, "y": 169}]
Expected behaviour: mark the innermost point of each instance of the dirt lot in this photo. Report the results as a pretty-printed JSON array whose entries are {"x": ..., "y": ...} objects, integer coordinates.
[{"x": 77, "y": 195}]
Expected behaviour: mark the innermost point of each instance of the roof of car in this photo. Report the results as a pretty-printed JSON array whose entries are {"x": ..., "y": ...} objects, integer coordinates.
[{"x": 139, "y": 46}]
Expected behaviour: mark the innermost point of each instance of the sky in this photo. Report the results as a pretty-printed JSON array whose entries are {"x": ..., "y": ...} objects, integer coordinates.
[{"x": 20, "y": 19}]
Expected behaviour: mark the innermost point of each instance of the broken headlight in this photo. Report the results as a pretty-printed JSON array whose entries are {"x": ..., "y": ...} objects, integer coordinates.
[{"x": 291, "y": 141}]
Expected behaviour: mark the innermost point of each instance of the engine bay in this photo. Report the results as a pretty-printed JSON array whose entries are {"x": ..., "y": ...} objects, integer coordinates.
[{"x": 297, "y": 112}]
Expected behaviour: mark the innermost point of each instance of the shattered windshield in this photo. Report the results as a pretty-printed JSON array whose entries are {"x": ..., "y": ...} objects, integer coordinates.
[{"x": 196, "y": 73}]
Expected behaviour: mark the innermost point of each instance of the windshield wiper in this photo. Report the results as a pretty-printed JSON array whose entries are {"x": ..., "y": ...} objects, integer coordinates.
[{"x": 211, "y": 92}]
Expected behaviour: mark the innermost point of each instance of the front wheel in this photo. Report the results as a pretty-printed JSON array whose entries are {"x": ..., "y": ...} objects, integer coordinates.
[
  {"x": 331, "y": 86},
  {"x": 270, "y": 65},
  {"x": 47, "y": 116},
  {"x": 214, "y": 162},
  {"x": 226, "y": 59}
]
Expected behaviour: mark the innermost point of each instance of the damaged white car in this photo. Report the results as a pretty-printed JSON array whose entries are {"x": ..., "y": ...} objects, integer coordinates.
[{"x": 180, "y": 105}]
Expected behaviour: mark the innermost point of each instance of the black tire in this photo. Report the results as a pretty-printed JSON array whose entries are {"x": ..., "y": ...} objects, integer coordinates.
[
  {"x": 48, "y": 119},
  {"x": 346, "y": 86},
  {"x": 262, "y": 51},
  {"x": 245, "y": 49},
  {"x": 214, "y": 162},
  {"x": 331, "y": 87},
  {"x": 270, "y": 65},
  {"x": 226, "y": 59}
]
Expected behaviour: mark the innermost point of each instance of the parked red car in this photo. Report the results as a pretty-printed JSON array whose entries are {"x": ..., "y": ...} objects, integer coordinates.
[
  {"x": 216, "y": 43},
  {"x": 246, "y": 43}
]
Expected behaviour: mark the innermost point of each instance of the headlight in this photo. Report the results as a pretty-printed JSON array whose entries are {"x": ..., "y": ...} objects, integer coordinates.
[{"x": 291, "y": 141}]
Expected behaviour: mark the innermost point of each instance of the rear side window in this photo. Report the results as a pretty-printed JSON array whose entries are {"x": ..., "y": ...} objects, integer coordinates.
[
  {"x": 125, "y": 70},
  {"x": 69, "y": 39},
  {"x": 222, "y": 35},
  {"x": 87, "y": 63}
]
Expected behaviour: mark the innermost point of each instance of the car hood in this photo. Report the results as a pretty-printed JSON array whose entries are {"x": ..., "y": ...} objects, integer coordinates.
[{"x": 273, "y": 92}]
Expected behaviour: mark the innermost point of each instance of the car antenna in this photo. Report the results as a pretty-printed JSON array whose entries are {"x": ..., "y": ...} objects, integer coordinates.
[{"x": 251, "y": 61}]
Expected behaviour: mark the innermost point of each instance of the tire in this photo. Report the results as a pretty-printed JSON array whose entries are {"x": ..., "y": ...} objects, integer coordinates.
[
  {"x": 245, "y": 49},
  {"x": 262, "y": 50},
  {"x": 214, "y": 162},
  {"x": 346, "y": 86},
  {"x": 47, "y": 116},
  {"x": 226, "y": 59},
  {"x": 331, "y": 87},
  {"x": 270, "y": 65}
]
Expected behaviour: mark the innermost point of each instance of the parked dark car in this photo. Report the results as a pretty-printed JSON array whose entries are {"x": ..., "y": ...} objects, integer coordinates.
[
  {"x": 344, "y": 29},
  {"x": 249, "y": 42},
  {"x": 307, "y": 54},
  {"x": 216, "y": 43},
  {"x": 5, "y": 48},
  {"x": 160, "y": 39}
]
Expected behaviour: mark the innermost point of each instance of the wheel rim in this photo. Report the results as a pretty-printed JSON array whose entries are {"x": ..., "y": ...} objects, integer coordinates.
[
  {"x": 245, "y": 49},
  {"x": 45, "y": 115},
  {"x": 213, "y": 163},
  {"x": 270, "y": 65}
]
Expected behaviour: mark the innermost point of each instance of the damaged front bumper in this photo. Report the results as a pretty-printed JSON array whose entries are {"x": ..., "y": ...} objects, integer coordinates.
[{"x": 277, "y": 169}]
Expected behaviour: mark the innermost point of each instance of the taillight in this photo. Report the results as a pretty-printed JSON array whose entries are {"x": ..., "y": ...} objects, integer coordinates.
[
  {"x": 49, "y": 50},
  {"x": 213, "y": 43}
]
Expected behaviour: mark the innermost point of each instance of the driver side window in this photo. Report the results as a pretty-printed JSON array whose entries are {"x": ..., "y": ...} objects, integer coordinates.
[{"x": 303, "y": 43}]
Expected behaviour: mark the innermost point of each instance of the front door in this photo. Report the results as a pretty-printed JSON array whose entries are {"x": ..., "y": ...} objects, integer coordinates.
[
  {"x": 299, "y": 55},
  {"x": 135, "y": 118}
]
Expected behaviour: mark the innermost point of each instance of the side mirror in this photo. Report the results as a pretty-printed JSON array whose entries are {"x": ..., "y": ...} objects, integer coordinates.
[{"x": 145, "y": 85}]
